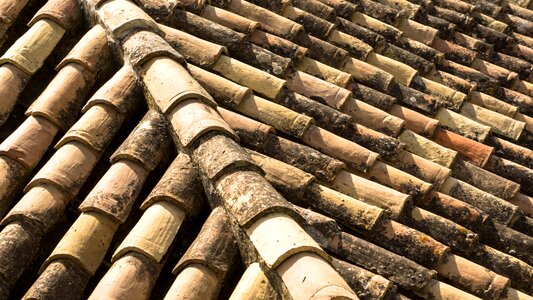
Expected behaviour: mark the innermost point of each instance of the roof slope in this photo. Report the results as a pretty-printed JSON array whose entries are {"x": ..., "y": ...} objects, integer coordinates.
[{"x": 299, "y": 149}]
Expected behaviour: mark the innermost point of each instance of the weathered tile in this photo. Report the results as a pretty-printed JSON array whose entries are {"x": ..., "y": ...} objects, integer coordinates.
[
  {"x": 214, "y": 247},
  {"x": 365, "y": 34},
  {"x": 526, "y": 119},
  {"x": 513, "y": 171},
  {"x": 312, "y": 24},
  {"x": 249, "y": 197},
  {"x": 452, "y": 81},
  {"x": 325, "y": 116},
  {"x": 270, "y": 22},
  {"x": 409, "y": 243},
  {"x": 499, "y": 209},
  {"x": 386, "y": 146},
  {"x": 424, "y": 169},
  {"x": 10, "y": 9},
  {"x": 191, "y": 5},
  {"x": 86, "y": 242},
  {"x": 180, "y": 186},
  {"x": 442, "y": 291},
  {"x": 447, "y": 96},
  {"x": 389, "y": 32},
  {"x": 194, "y": 282},
  {"x": 372, "y": 117},
  {"x": 249, "y": 131},
  {"x": 322, "y": 281},
  {"x": 277, "y": 248},
  {"x": 279, "y": 117},
  {"x": 324, "y": 72},
  {"x": 483, "y": 82},
  {"x": 520, "y": 66},
  {"x": 364, "y": 283},
  {"x": 30, "y": 51},
  {"x": 417, "y": 31},
  {"x": 229, "y": 19},
  {"x": 119, "y": 92},
  {"x": 349, "y": 211},
  {"x": 322, "y": 166},
  {"x": 317, "y": 8},
  {"x": 523, "y": 87},
  {"x": 290, "y": 181},
  {"x": 28, "y": 143},
  {"x": 14, "y": 81},
  {"x": 457, "y": 237},
  {"x": 96, "y": 127},
  {"x": 226, "y": 92},
  {"x": 412, "y": 9},
  {"x": 92, "y": 51},
  {"x": 455, "y": 210},
  {"x": 370, "y": 192},
  {"x": 399, "y": 180},
  {"x": 427, "y": 52},
  {"x": 41, "y": 206},
  {"x": 195, "y": 50},
  {"x": 192, "y": 118},
  {"x": 523, "y": 102},
  {"x": 262, "y": 59},
  {"x": 323, "y": 51},
  {"x": 357, "y": 48},
  {"x": 402, "y": 73},
  {"x": 278, "y": 45},
  {"x": 116, "y": 192},
  {"x": 485, "y": 180},
  {"x": 499, "y": 123},
  {"x": 414, "y": 120},
  {"x": 462, "y": 125},
  {"x": 254, "y": 285},
  {"x": 368, "y": 74},
  {"x": 218, "y": 155},
  {"x": 19, "y": 243},
  {"x": 371, "y": 96},
  {"x": 351, "y": 153},
  {"x": 416, "y": 99},
  {"x": 68, "y": 168},
  {"x": 383, "y": 262},
  {"x": 475, "y": 152},
  {"x": 454, "y": 52},
  {"x": 473, "y": 278},
  {"x": 524, "y": 202},
  {"x": 511, "y": 151},
  {"x": 319, "y": 90},
  {"x": 124, "y": 16},
  {"x": 504, "y": 76},
  {"x": 131, "y": 277},
  {"x": 164, "y": 90},
  {"x": 492, "y": 103},
  {"x": 483, "y": 49},
  {"x": 248, "y": 76},
  {"x": 146, "y": 144},
  {"x": 12, "y": 180},
  {"x": 404, "y": 56},
  {"x": 142, "y": 46},
  {"x": 427, "y": 148},
  {"x": 61, "y": 279},
  {"x": 63, "y": 98},
  {"x": 380, "y": 11},
  {"x": 66, "y": 13},
  {"x": 154, "y": 232},
  {"x": 508, "y": 240},
  {"x": 206, "y": 29}
]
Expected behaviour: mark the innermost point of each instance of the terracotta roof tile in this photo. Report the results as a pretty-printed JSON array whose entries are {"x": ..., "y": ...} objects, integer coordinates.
[{"x": 365, "y": 83}]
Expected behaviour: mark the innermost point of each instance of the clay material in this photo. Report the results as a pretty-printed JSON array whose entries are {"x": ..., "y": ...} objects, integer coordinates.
[
  {"x": 92, "y": 51},
  {"x": 116, "y": 191},
  {"x": 164, "y": 90},
  {"x": 30, "y": 51},
  {"x": 68, "y": 168},
  {"x": 214, "y": 247},
  {"x": 123, "y": 16},
  {"x": 85, "y": 243},
  {"x": 154, "y": 232}
]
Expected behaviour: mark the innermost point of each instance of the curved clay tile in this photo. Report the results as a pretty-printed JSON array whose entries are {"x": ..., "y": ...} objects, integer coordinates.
[
  {"x": 14, "y": 81},
  {"x": 414, "y": 120},
  {"x": 462, "y": 125},
  {"x": 66, "y": 13},
  {"x": 253, "y": 285},
  {"x": 231, "y": 20},
  {"x": 30, "y": 51}
]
